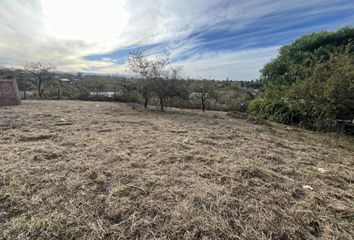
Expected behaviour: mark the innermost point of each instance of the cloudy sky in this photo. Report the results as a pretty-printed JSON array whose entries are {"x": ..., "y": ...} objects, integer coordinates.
[{"x": 209, "y": 38}]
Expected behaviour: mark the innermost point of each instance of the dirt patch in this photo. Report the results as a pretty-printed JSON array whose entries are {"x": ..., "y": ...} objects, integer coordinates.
[{"x": 239, "y": 115}]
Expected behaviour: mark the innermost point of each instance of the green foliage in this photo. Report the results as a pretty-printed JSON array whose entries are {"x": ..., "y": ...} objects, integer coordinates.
[
  {"x": 311, "y": 81},
  {"x": 275, "y": 110},
  {"x": 329, "y": 92},
  {"x": 295, "y": 61}
]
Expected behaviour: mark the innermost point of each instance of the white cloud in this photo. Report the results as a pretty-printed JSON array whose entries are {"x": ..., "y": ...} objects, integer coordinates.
[
  {"x": 23, "y": 37},
  {"x": 97, "y": 22}
]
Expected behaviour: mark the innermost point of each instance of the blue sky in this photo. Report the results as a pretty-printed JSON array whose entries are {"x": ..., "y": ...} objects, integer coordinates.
[{"x": 210, "y": 39}]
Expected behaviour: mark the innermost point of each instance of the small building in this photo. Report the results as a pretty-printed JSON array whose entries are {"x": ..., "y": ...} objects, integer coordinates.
[{"x": 9, "y": 94}]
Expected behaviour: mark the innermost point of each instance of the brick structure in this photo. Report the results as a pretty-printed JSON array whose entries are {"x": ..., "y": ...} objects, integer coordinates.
[{"x": 9, "y": 92}]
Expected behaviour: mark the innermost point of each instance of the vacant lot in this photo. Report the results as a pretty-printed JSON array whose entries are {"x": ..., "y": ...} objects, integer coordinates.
[{"x": 94, "y": 170}]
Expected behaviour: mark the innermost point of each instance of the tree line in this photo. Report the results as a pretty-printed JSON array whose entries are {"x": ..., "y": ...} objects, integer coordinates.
[{"x": 156, "y": 83}]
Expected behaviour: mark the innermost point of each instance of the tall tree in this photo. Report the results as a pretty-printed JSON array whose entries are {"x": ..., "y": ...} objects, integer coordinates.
[{"x": 151, "y": 69}]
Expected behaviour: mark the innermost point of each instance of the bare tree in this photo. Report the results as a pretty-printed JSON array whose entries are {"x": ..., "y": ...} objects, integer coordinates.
[
  {"x": 170, "y": 85},
  {"x": 204, "y": 90},
  {"x": 151, "y": 69},
  {"x": 160, "y": 79},
  {"x": 42, "y": 72}
]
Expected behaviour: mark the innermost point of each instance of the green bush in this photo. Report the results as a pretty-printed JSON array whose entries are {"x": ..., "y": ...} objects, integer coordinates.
[
  {"x": 311, "y": 82},
  {"x": 274, "y": 110}
]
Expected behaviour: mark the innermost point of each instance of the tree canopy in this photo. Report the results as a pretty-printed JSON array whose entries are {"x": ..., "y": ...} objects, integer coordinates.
[{"x": 311, "y": 80}]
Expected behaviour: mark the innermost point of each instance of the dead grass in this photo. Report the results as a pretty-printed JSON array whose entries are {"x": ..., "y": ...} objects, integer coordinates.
[{"x": 87, "y": 170}]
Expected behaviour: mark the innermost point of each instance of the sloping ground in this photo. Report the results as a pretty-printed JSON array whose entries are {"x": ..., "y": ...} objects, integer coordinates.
[{"x": 87, "y": 170}]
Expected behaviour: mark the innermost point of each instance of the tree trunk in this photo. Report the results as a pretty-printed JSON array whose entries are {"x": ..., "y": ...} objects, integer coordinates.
[
  {"x": 161, "y": 104},
  {"x": 40, "y": 88},
  {"x": 115, "y": 93},
  {"x": 24, "y": 95},
  {"x": 58, "y": 94},
  {"x": 203, "y": 104},
  {"x": 146, "y": 102}
]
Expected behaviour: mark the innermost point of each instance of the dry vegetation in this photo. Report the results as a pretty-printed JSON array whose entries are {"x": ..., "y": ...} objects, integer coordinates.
[{"x": 87, "y": 170}]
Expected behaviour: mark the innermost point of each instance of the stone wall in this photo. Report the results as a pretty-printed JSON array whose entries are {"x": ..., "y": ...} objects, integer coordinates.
[{"x": 9, "y": 92}]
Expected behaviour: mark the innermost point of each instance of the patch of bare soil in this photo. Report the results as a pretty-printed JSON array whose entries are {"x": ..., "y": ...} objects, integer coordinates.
[{"x": 94, "y": 170}]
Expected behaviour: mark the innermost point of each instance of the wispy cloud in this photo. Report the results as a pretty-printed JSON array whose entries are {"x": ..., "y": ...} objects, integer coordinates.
[{"x": 222, "y": 38}]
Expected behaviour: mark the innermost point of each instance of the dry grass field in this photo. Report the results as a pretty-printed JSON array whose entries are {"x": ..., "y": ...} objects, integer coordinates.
[{"x": 95, "y": 170}]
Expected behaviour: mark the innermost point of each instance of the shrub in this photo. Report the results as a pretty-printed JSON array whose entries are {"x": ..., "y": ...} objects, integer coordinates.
[
  {"x": 311, "y": 82},
  {"x": 275, "y": 110}
]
